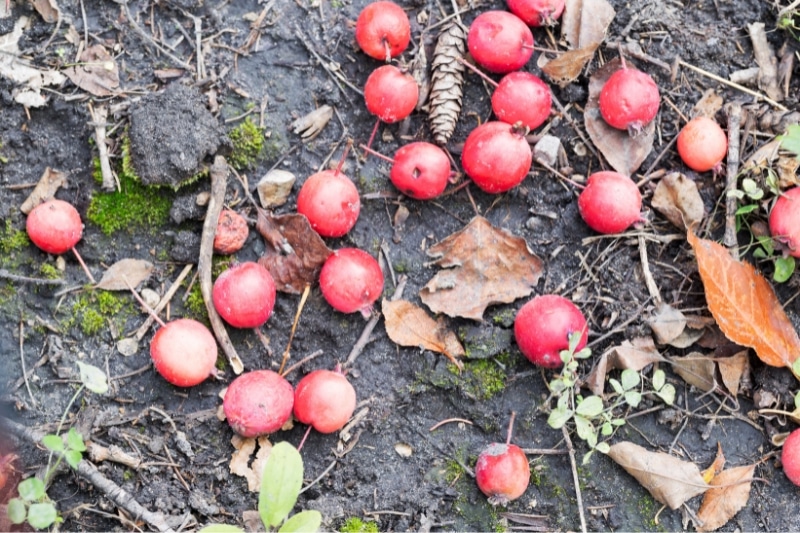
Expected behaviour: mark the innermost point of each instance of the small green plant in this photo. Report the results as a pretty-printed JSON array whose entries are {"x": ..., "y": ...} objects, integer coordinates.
[
  {"x": 355, "y": 525},
  {"x": 33, "y": 505},
  {"x": 590, "y": 416},
  {"x": 280, "y": 486},
  {"x": 248, "y": 143}
]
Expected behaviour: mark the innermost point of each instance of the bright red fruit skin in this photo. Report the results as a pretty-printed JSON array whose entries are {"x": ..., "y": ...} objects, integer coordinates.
[
  {"x": 702, "y": 144},
  {"x": 231, "y": 233},
  {"x": 610, "y": 203},
  {"x": 784, "y": 222},
  {"x": 184, "y": 352},
  {"x": 325, "y": 400},
  {"x": 496, "y": 157},
  {"x": 244, "y": 295},
  {"x": 537, "y": 12},
  {"x": 502, "y": 473},
  {"x": 390, "y": 93},
  {"x": 522, "y": 97},
  {"x": 380, "y": 24},
  {"x": 351, "y": 280},
  {"x": 54, "y": 226},
  {"x": 258, "y": 403},
  {"x": 499, "y": 41},
  {"x": 542, "y": 328},
  {"x": 790, "y": 457},
  {"x": 330, "y": 202},
  {"x": 629, "y": 100},
  {"x": 420, "y": 170}
]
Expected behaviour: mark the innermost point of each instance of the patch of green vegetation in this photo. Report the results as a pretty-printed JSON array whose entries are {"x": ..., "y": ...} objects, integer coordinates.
[
  {"x": 92, "y": 310},
  {"x": 48, "y": 271},
  {"x": 478, "y": 513},
  {"x": 452, "y": 471},
  {"x": 248, "y": 144},
  {"x": 648, "y": 509},
  {"x": 482, "y": 378},
  {"x": 12, "y": 240},
  {"x": 504, "y": 318},
  {"x": 195, "y": 305},
  {"x": 355, "y": 525},
  {"x": 127, "y": 475},
  {"x": 134, "y": 206}
]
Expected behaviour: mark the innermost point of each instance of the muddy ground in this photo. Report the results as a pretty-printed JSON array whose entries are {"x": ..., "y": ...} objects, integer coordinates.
[{"x": 393, "y": 470}]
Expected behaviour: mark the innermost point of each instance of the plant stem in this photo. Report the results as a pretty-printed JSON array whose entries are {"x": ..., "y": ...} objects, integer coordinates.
[{"x": 50, "y": 471}]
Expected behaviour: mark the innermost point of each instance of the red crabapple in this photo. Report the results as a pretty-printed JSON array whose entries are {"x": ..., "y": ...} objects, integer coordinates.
[
  {"x": 184, "y": 352},
  {"x": 502, "y": 472},
  {"x": 496, "y": 156},
  {"x": 54, "y": 227},
  {"x": 537, "y": 12},
  {"x": 629, "y": 100},
  {"x": 420, "y": 170},
  {"x": 258, "y": 403},
  {"x": 390, "y": 93},
  {"x": 231, "y": 232},
  {"x": 383, "y": 30},
  {"x": 610, "y": 203},
  {"x": 499, "y": 41},
  {"x": 351, "y": 280},
  {"x": 522, "y": 97},
  {"x": 543, "y": 326},
  {"x": 244, "y": 295},
  {"x": 790, "y": 457},
  {"x": 784, "y": 221},
  {"x": 330, "y": 202},
  {"x": 325, "y": 400},
  {"x": 702, "y": 144}
]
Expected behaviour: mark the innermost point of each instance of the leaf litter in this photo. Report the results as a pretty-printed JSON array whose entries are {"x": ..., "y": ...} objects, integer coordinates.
[{"x": 409, "y": 325}]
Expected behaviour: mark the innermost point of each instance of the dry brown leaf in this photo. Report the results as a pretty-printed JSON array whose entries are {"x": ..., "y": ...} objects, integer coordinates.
[
  {"x": 580, "y": 31},
  {"x": 240, "y": 463},
  {"x": 716, "y": 467},
  {"x": 484, "y": 265},
  {"x": 708, "y": 105},
  {"x": 566, "y": 68},
  {"x": 635, "y": 355},
  {"x": 731, "y": 369},
  {"x": 49, "y": 183},
  {"x": 48, "y": 9},
  {"x": 669, "y": 480},
  {"x": 745, "y": 305},
  {"x": 625, "y": 153},
  {"x": 696, "y": 370},
  {"x": 123, "y": 273},
  {"x": 294, "y": 253},
  {"x": 730, "y": 492},
  {"x": 667, "y": 323},
  {"x": 677, "y": 198},
  {"x": 96, "y": 73},
  {"x": 409, "y": 325}
]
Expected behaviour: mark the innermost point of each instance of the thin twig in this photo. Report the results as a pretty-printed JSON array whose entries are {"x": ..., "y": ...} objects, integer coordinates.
[
  {"x": 319, "y": 477},
  {"x": 219, "y": 182},
  {"x": 22, "y": 359},
  {"x": 287, "y": 351},
  {"x": 5, "y": 274},
  {"x": 734, "y": 113},
  {"x": 575, "y": 479},
  {"x": 163, "y": 302},
  {"x": 301, "y": 362},
  {"x": 652, "y": 288},
  {"x": 99, "y": 116},
  {"x": 143, "y": 34}
]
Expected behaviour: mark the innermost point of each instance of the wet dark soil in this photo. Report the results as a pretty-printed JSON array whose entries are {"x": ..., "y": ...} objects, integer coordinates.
[{"x": 391, "y": 467}]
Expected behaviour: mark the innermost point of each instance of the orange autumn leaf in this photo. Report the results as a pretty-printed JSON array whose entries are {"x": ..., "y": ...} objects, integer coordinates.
[
  {"x": 729, "y": 494},
  {"x": 744, "y": 304}
]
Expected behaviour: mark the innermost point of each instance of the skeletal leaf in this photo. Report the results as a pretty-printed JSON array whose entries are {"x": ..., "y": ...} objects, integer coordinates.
[
  {"x": 482, "y": 265},
  {"x": 96, "y": 73},
  {"x": 669, "y": 480},
  {"x": 745, "y": 305},
  {"x": 123, "y": 273},
  {"x": 729, "y": 493},
  {"x": 447, "y": 77},
  {"x": 409, "y": 325}
]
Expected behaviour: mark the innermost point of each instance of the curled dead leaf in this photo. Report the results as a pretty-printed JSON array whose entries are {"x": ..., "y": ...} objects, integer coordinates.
[
  {"x": 744, "y": 304},
  {"x": 677, "y": 198},
  {"x": 123, "y": 273},
  {"x": 483, "y": 265},
  {"x": 96, "y": 73},
  {"x": 669, "y": 480},
  {"x": 46, "y": 188},
  {"x": 697, "y": 370},
  {"x": 634, "y": 355},
  {"x": 729, "y": 493},
  {"x": 247, "y": 465},
  {"x": 409, "y": 325}
]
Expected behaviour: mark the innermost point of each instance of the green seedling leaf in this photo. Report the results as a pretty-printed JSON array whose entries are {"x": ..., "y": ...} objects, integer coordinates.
[
  {"x": 736, "y": 193},
  {"x": 602, "y": 447},
  {"x": 585, "y": 430},
  {"x": 746, "y": 209},
  {"x": 790, "y": 140},
  {"x": 583, "y": 354},
  {"x": 630, "y": 379},
  {"x": 574, "y": 339},
  {"x": 616, "y": 385},
  {"x": 784, "y": 268},
  {"x": 751, "y": 189},
  {"x": 760, "y": 253},
  {"x": 767, "y": 244},
  {"x": 565, "y": 355},
  {"x": 633, "y": 398},
  {"x": 618, "y": 422},
  {"x": 75, "y": 440},
  {"x": 587, "y": 456},
  {"x": 558, "y": 417},
  {"x": 73, "y": 458},
  {"x": 557, "y": 385},
  {"x": 659, "y": 379},
  {"x": 221, "y": 528},
  {"x": 53, "y": 443},
  {"x": 93, "y": 378},
  {"x": 590, "y": 407},
  {"x": 16, "y": 511},
  {"x": 667, "y": 394},
  {"x": 606, "y": 429},
  {"x": 304, "y": 522},
  {"x": 42, "y": 515},
  {"x": 31, "y": 489},
  {"x": 280, "y": 484}
]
